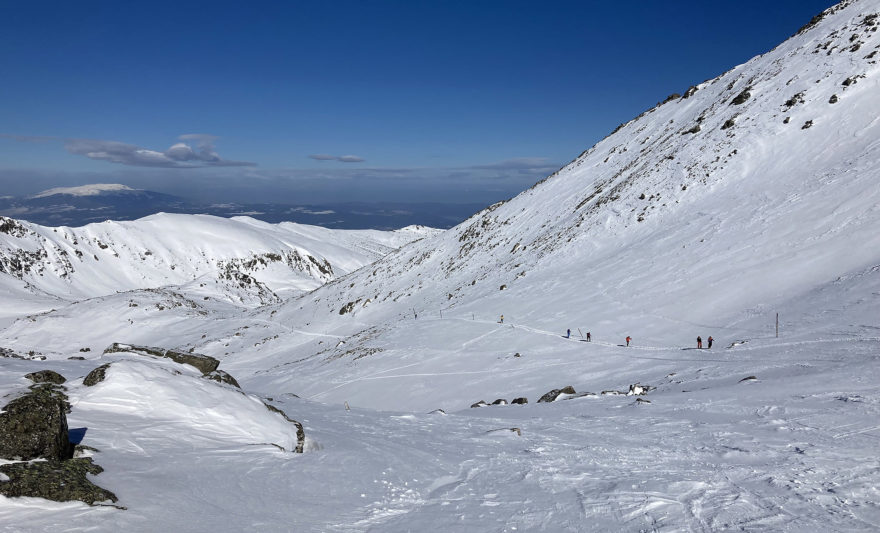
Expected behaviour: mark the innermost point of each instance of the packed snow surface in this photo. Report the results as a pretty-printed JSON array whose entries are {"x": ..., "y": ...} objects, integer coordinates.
[{"x": 751, "y": 196}]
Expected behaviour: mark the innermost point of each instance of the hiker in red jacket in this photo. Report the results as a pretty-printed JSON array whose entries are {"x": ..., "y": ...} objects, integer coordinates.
[{"x": 628, "y": 338}]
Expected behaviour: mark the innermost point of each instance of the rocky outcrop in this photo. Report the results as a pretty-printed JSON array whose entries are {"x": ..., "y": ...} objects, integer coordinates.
[
  {"x": 35, "y": 426},
  {"x": 46, "y": 376},
  {"x": 522, "y": 400},
  {"x": 222, "y": 377},
  {"x": 555, "y": 393},
  {"x": 300, "y": 432},
  {"x": 204, "y": 363},
  {"x": 480, "y": 403},
  {"x": 54, "y": 480}
]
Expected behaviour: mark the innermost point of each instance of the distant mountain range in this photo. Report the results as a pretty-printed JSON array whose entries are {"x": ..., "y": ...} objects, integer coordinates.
[{"x": 78, "y": 206}]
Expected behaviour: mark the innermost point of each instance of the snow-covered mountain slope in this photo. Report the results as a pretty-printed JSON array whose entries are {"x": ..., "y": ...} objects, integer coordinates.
[
  {"x": 749, "y": 190},
  {"x": 240, "y": 259},
  {"x": 663, "y": 231}
]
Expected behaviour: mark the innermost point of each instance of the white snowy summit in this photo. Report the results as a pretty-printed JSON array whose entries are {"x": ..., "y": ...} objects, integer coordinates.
[
  {"x": 747, "y": 197},
  {"x": 85, "y": 190}
]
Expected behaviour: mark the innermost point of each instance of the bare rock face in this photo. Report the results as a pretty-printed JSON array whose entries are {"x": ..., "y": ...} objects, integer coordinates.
[
  {"x": 204, "y": 363},
  {"x": 35, "y": 426}
]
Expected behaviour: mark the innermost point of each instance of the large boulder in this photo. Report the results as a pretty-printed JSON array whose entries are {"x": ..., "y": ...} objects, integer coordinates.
[
  {"x": 35, "y": 426},
  {"x": 46, "y": 376},
  {"x": 204, "y": 363}
]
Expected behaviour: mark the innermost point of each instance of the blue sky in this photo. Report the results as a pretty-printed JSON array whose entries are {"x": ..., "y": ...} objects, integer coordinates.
[{"x": 311, "y": 102}]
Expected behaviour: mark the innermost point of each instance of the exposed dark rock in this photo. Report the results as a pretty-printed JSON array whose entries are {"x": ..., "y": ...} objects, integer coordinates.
[
  {"x": 77, "y": 358},
  {"x": 695, "y": 129},
  {"x": 300, "y": 432},
  {"x": 205, "y": 364},
  {"x": 35, "y": 426},
  {"x": 637, "y": 389},
  {"x": 480, "y": 403},
  {"x": 748, "y": 378},
  {"x": 833, "y": 99},
  {"x": 690, "y": 92},
  {"x": 640, "y": 401},
  {"x": 222, "y": 377},
  {"x": 86, "y": 349},
  {"x": 46, "y": 376},
  {"x": 522, "y": 400},
  {"x": 729, "y": 123},
  {"x": 96, "y": 376},
  {"x": 742, "y": 97},
  {"x": 437, "y": 412},
  {"x": 58, "y": 481},
  {"x": 807, "y": 124},
  {"x": 555, "y": 393},
  {"x": 500, "y": 401}
]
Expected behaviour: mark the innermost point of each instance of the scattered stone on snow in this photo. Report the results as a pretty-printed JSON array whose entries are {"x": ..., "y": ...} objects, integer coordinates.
[
  {"x": 748, "y": 378},
  {"x": 640, "y": 401},
  {"x": 437, "y": 412},
  {"x": 555, "y": 393},
  {"x": 637, "y": 389},
  {"x": 500, "y": 401},
  {"x": 480, "y": 403},
  {"x": 522, "y": 400}
]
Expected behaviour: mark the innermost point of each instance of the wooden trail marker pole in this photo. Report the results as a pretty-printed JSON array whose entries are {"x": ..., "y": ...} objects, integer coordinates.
[{"x": 777, "y": 325}]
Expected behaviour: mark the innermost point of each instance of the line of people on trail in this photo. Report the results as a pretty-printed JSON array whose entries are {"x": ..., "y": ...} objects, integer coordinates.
[{"x": 589, "y": 338}]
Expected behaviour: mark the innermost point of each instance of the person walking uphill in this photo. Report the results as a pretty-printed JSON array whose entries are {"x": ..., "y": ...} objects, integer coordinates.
[
  {"x": 628, "y": 338},
  {"x": 589, "y": 338},
  {"x": 568, "y": 333},
  {"x": 699, "y": 342},
  {"x": 710, "y": 339}
]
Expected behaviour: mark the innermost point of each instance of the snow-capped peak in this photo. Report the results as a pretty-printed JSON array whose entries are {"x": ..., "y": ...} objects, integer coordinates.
[{"x": 93, "y": 189}]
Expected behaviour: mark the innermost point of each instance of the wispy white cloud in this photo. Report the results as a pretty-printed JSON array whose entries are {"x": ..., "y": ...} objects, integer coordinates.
[
  {"x": 340, "y": 158},
  {"x": 179, "y": 155}
]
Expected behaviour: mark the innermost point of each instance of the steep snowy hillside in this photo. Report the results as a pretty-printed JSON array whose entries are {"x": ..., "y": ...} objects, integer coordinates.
[
  {"x": 751, "y": 194},
  {"x": 744, "y": 192},
  {"x": 242, "y": 260}
]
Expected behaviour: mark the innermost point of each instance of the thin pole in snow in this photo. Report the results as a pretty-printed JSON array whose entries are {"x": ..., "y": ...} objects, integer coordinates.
[
  {"x": 777, "y": 325},
  {"x": 441, "y": 313},
  {"x": 581, "y": 332}
]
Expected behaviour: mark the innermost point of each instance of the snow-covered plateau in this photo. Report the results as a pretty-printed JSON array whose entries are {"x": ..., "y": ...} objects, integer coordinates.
[{"x": 750, "y": 196}]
